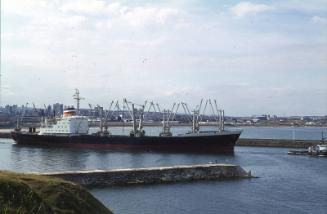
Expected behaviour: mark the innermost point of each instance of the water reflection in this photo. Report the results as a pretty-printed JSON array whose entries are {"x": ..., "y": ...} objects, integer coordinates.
[{"x": 45, "y": 159}]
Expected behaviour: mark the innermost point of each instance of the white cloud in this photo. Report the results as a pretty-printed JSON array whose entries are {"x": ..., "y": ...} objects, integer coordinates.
[
  {"x": 116, "y": 8},
  {"x": 23, "y": 7},
  {"x": 67, "y": 21},
  {"x": 89, "y": 7},
  {"x": 168, "y": 51},
  {"x": 247, "y": 8},
  {"x": 145, "y": 16},
  {"x": 116, "y": 13},
  {"x": 319, "y": 20}
]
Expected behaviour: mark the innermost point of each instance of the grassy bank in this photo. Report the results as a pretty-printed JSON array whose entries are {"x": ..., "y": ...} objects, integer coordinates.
[{"x": 24, "y": 193}]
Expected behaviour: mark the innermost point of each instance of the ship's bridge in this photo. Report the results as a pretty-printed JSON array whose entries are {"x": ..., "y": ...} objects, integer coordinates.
[{"x": 69, "y": 124}]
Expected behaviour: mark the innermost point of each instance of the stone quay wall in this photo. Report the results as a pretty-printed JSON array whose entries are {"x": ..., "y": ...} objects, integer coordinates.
[{"x": 277, "y": 143}]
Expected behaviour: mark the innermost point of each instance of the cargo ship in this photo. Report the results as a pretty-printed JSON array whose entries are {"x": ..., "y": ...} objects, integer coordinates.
[{"x": 72, "y": 130}]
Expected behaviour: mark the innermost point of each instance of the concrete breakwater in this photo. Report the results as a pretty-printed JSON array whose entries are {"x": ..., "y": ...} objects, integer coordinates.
[
  {"x": 153, "y": 174},
  {"x": 277, "y": 143}
]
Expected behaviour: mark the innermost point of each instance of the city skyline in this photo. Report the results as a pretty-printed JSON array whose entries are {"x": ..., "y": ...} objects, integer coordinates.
[
  {"x": 254, "y": 57},
  {"x": 31, "y": 107}
]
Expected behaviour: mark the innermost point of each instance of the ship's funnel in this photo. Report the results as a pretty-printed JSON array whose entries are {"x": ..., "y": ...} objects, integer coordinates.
[{"x": 69, "y": 112}]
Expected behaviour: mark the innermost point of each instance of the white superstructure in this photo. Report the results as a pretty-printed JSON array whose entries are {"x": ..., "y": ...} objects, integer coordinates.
[{"x": 69, "y": 124}]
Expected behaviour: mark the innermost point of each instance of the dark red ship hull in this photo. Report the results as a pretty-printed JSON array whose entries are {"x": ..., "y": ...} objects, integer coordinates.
[{"x": 203, "y": 143}]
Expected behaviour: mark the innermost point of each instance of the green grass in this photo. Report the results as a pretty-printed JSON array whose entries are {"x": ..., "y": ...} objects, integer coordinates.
[{"x": 25, "y": 193}]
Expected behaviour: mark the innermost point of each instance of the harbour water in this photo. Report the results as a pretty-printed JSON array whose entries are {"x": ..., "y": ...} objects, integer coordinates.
[{"x": 286, "y": 184}]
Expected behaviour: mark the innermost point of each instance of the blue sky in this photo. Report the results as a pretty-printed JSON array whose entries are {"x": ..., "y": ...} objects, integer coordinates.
[{"x": 254, "y": 57}]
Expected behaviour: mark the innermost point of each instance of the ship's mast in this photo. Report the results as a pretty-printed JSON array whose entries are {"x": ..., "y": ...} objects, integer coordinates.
[{"x": 77, "y": 98}]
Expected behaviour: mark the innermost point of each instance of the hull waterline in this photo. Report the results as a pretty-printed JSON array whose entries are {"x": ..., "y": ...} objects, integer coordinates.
[{"x": 199, "y": 144}]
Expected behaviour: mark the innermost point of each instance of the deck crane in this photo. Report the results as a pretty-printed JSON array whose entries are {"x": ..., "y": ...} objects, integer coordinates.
[
  {"x": 46, "y": 113},
  {"x": 196, "y": 118},
  {"x": 127, "y": 106},
  {"x": 187, "y": 111},
  {"x": 137, "y": 130},
  {"x": 204, "y": 110},
  {"x": 153, "y": 106},
  {"x": 175, "y": 112},
  {"x": 104, "y": 122},
  {"x": 110, "y": 111},
  {"x": 165, "y": 122},
  {"x": 217, "y": 113},
  {"x": 158, "y": 107},
  {"x": 117, "y": 107},
  {"x": 91, "y": 110},
  {"x": 221, "y": 114},
  {"x": 168, "y": 115}
]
